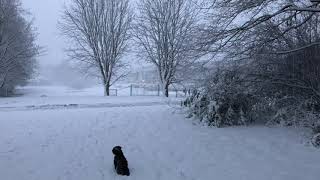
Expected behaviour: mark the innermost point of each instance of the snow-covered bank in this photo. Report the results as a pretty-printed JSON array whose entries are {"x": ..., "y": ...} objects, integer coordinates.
[
  {"x": 56, "y": 97},
  {"x": 160, "y": 144}
]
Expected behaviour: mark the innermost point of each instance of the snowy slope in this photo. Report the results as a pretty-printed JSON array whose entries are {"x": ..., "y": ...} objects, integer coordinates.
[
  {"x": 56, "y": 97},
  {"x": 160, "y": 144}
]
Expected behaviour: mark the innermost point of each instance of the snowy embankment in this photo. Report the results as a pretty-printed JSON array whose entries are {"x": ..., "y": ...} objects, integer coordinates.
[
  {"x": 160, "y": 144},
  {"x": 57, "y": 97}
]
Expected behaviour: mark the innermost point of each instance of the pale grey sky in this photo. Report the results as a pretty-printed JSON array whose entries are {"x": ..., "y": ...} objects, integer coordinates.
[{"x": 47, "y": 14}]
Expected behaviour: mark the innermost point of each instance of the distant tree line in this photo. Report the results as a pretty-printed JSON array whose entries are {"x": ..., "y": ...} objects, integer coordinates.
[{"x": 17, "y": 47}]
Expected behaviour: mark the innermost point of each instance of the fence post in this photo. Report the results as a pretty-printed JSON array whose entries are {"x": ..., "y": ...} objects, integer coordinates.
[
  {"x": 131, "y": 90},
  {"x": 116, "y": 92},
  {"x": 176, "y": 93},
  {"x": 158, "y": 89}
]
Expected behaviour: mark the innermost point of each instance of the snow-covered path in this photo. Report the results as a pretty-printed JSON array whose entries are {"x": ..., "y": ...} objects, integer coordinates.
[{"x": 160, "y": 144}]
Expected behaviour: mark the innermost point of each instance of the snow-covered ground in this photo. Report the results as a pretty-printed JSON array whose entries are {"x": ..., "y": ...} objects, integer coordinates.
[
  {"x": 69, "y": 136},
  {"x": 62, "y": 98}
]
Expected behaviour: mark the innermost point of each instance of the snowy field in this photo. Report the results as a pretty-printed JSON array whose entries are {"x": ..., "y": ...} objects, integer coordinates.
[
  {"x": 66, "y": 98},
  {"x": 59, "y": 134}
]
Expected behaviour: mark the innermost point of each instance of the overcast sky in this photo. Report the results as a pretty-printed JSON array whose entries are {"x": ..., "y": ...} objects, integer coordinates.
[{"x": 46, "y": 14}]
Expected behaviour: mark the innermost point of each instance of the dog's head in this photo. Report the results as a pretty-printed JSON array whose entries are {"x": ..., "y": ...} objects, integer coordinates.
[{"x": 117, "y": 150}]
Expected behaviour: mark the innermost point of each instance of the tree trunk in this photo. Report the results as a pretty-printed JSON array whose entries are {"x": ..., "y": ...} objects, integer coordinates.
[
  {"x": 166, "y": 90},
  {"x": 107, "y": 89}
]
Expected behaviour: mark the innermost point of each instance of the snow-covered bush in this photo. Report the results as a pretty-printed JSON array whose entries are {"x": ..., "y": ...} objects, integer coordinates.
[
  {"x": 231, "y": 95},
  {"x": 290, "y": 111},
  {"x": 316, "y": 140},
  {"x": 316, "y": 128},
  {"x": 221, "y": 102},
  {"x": 220, "y": 112}
]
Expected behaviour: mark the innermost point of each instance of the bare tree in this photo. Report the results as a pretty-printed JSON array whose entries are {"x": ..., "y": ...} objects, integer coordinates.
[
  {"x": 164, "y": 31},
  {"x": 99, "y": 32},
  {"x": 232, "y": 21},
  {"x": 17, "y": 47},
  {"x": 279, "y": 38}
]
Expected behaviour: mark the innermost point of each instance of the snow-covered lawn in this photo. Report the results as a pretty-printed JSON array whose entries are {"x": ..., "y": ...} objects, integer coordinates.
[{"x": 41, "y": 139}]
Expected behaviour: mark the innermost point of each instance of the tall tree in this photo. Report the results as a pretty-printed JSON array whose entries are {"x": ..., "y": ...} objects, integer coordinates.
[
  {"x": 164, "y": 31},
  {"x": 17, "y": 47},
  {"x": 99, "y": 33}
]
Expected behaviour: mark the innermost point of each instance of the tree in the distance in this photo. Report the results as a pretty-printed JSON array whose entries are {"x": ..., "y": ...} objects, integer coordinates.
[
  {"x": 164, "y": 32},
  {"x": 98, "y": 31}
]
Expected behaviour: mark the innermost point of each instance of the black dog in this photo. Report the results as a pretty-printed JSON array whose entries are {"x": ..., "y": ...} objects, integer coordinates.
[{"x": 120, "y": 162}]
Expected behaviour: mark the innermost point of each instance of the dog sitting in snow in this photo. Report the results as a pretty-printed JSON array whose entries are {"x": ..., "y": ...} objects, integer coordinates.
[{"x": 120, "y": 162}]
